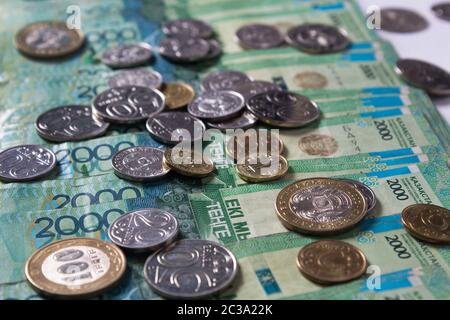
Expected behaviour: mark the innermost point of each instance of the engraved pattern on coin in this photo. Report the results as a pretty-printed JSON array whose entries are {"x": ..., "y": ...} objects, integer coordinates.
[
  {"x": 310, "y": 80},
  {"x": 136, "y": 77},
  {"x": 262, "y": 169},
  {"x": 69, "y": 123},
  {"x": 216, "y": 105},
  {"x": 187, "y": 28},
  {"x": 366, "y": 192},
  {"x": 140, "y": 164},
  {"x": 188, "y": 162},
  {"x": 402, "y": 20},
  {"x": 144, "y": 230},
  {"x": 128, "y": 104},
  {"x": 223, "y": 80},
  {"x": 318, "y": 38},
  {"x": 259, "y": 36},
  {"x": 318, "y": 145},
  {"x": 26, "y": 162},
  {"x": 252, "y": 88},
  {"x": 190, "y": 269},
  {"x": 127, "y": 55},
  {"x": 244, "y": 121},
  {"x": 185, "y": 49}
]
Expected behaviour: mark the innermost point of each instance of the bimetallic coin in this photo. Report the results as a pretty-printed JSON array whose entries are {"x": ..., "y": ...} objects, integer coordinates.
[
  {"x": 69, "y": 123},
  {"x": 259, "y": 36},
  {"x": 259, "y": 142},
  {"x": 223, "y": 80},
  {"x": 144, "y": 230},
  {"x": 136, "y": 77},
  {"x": 318, "y": 38},
  {"x": 187, "y": 28},
  {"x": 252, "y": 88},
  {"x": 173, "y": 127},
  {"x": 128, "y": 104},
  {"x": 127, "y": 55},
  {"x": 140, "y": 164},
  {"x": 320, "y": 206},
  {"x": 401, "y": 20},
  {"x": 75, "y": 268},
  {"x": 427, "y": 222},
  {"x": 192, "y": 269},
  {"x": 184, "y": 49},
  {"x": 178, "y": 94},
  {"x": 262, "y": 169},
  {"x": 216, "y": 106},
  {"x": 243, "y": 121},
  {"x": 331, "y": 261},
  {"x": 283, "y": 109},
  {"x": 26, "y": 162},
  {"x": 424, "y": 75},
  {"x": 186, "y": 161},
  {"x": 49, "y": 39},
  {"x": 442, "y": 10},
  {"x": 366, "y": 192}
]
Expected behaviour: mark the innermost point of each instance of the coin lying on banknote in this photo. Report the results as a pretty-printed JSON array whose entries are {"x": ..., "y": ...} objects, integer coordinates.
[
  {"x": 177, "y": 94},
  {"x": 402, "y": 20},
  {"x": 442, "y": 10},
  {"x": 245, "y": 120},
  {"x": 75, "y": 268},
  {"x": 48, "y": 39},
  {"x": 250, "y": 88},
  {"x": 366, "y": 192},
  {"x": 262, "y": 168},
  {"x": 260, "y": 142},
  {"x": 217, "y": 106},
  {"x": 259, "y": 36},
  {"x": 223, "y": 80},
  {"x": 188, "y": 162},
  {"x": 136, "y": 77},
  {"x": 127, "y": 55},
  {"x": 184, "y": 49},
  {"x": 187, "y": 28}
]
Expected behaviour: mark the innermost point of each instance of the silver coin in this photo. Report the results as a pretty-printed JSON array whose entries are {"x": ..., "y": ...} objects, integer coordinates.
[
  {"x": 223, "y": 80},
  {"x": 144, "y": 230},
  {"x": 128, "y": 104},
  {"x": 127, "y": 55},
  {"x": 259, "y": 36},
  {"x": 69, "y": 123},
  {"x": 216, "y": 106},
  {"x": 243, "y": 121},
  {"x": 189, "y": 269},
  {"x": 187, "y": 28},
  {"x": 177, "y": 124},
  {"x": 215, "y": 49},
  {"x": 424, "y": 75},
  {"x": 402, "y": 20},
  {"x": 366, "y": 192},
  {"x": 184, "y": 50},
  {"x": 249, "y": 89},
  {"x": 283, "y": 109},
  {"x": 318, "y": 38},
  {"x": 26, "y": 162},
  {"x": 442, "y": 10},
  {"x": 140, "y": 164},
  {"x": 136, "y": 77}
]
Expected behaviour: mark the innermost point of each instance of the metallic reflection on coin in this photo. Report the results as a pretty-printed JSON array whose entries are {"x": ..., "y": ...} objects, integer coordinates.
[
  {"x": 140, "y": 164},
  {"x": 366, "y": 192},
  {"x": 223, "y": 80},
  {"x": 252, "y": 88},
  {"x": 318, "y": 38},
  {"x": 144, "y": 230},
  {"x": 215, "y": 50},
  {"x": 127, "y": 55},
  {"x": 260, "y": 142},
  {"x": 186, "y": 161},
  {"x": 178, "y": 94},
  {"x": 243, "y": 121},
  {"x": 184, "y": 49},
  {"x": 193, "y": 269},
  {"x": 402, "y": 20},
  {"x": 69, "y": 123},
  {"x": 259, "y": 36},
  {"x": 136, "y": 77},
  {"x": 442, "y": 10},
  {"x": 216, "y": 106},
  {"x": 26, "y": 162},
  {"x": 258, "y": 169},
  {"x": 187, "y": 28}
]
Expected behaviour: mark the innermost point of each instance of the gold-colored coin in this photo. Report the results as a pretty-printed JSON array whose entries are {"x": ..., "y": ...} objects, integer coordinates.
[
  {"x": 178, "y": 94},
  {"x": 259, "y": 142},
  {"x": 320, "y": 206},
  {"x": 75, "y": 268},
  {"x": 262, "y": 169},
  {"x": 48, "y": 39},
  {"x": 188, "y": 162},
  {"x": 427, "y": 222},
  {"x": 331, "y": 261}
]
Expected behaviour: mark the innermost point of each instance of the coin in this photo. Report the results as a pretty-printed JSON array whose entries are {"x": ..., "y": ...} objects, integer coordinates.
[
  {"x": 178, "y": 94},
  {"x": 144, "y": 230},
  {"x": 140, "y": 164},
  {"x": 442, "y": 10},
  {"x": 259, "y": 36},
  {"x": 261, "y": 142},
  {"x": 223, "y": 80},
  {"x": 424, "y": 75},
  {"x": 283, "y": 109},
  {"x": 26, "y": 162},
  {"x": 243, "y": 121},
  {"x": 215, "y": 49},
  {"x": 366, "y": 192},
  {"x": 75, "y": 268},
  {"x": 427, "y": 222},
  {"x": 193, "y": 269},
  {"x": 320, "y": 206},
  {"x": 216, "y": 106},
  {"x": 402, "y": 20},
  {"x": 179, "y": 125},
  {"x": 128, "y": 104},
  {"x": 318, "y": 38},
  {"x": 252, "y": 88},
  {"x": 262, "y": 169},
  {"x": 127, "y": 55},
  {"x": 69, "y": 123},
  {"x": 136, "y": 77},
  {"x": 187, "y": 28},
  {"x": 185, "y": 49},
  {"x": 331, "y": 261},
  {"x": 48, "y": 39},
  {"x": 188, "y": 162}
]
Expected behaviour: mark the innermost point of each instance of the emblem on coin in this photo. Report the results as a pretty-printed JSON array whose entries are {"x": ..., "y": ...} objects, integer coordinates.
[
  {"x": 187, "y": 28},
  {"x": 215, "y": 106},
  {"x": 127, "y": 55},
  {"x": 318, "y": 38},
  {"x": 259, "y": 36},
  {"x": 223, "y": 80},
  {"x": 402, "y": 20},
  {"x": 136, "y": 77},
  {"x": 177, "y": 94},
  {"x": 318, "y": 145},
  {"x": 310, "y": 80}
]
